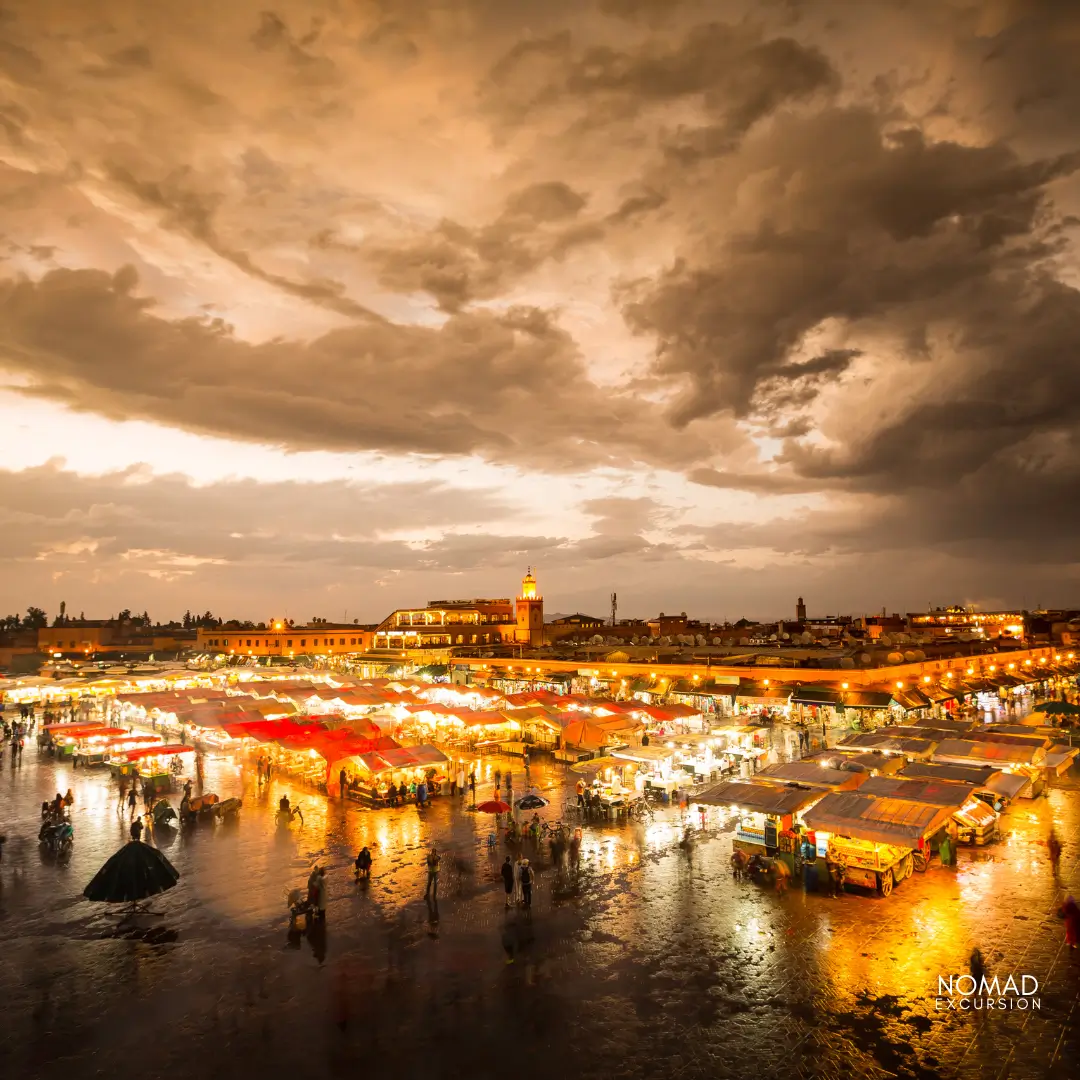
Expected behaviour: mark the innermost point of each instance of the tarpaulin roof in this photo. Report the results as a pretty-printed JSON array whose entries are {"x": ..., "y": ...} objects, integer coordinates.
[
  {"x": 667, "y": 712},
  {"x": 933, "y": 793},
  {"x": 79, "y": 729},
  {"x": 151, "y": 751},
  {"x": 911, "y": 697},
  {"x": 649, "y": 755},
  {"x": 883, "y": 741},
  {"x": 976, "y": 775},
  {"x": 434, "y": 709},
  {"x": 812, "y": 774},
  {"x": 815, "y": 695},
  {"x": 976, "y": 814},
  {"x": 867, "y": 699},
  {"x": 585, "y": 734},
  {"x": 759, "y": 690},
  {"x": 875, "y": 819},
  {"x": 971, "y": 749},
  {"x": 764, "y": 798}
]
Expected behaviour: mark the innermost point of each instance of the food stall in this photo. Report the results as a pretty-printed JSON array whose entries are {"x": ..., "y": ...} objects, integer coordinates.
[
  {"x": 879, "y": 840},
  {"x": 371, "y": 774},
  {"x": 96, "y": 749},
  {"x": 912, "y": 749},
  {"x": 157, "y": 765},
  {"x": 993, "y": 786},
  {"x": 73, "y": 740},
  {"x": 1022, "y": 760},
  {"x": 646, "y": 769},
  {"x": 766, "y": 813},
  {"x": 974, "y": 821},
  {"x": 875, "y": 762},
  {"x": 813, "y": 774}
]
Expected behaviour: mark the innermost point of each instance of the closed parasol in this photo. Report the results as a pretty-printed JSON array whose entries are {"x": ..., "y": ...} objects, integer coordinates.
[{"x": 136, "y": 872}]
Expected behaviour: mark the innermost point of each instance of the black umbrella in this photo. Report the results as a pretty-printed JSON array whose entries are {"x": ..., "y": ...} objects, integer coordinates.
[
  {"x": 531, "y": 802},
  {"x": 137, "y": 871}
]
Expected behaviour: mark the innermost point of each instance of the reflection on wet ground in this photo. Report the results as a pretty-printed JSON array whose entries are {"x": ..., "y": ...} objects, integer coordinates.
[{"x": 644, "y": 958}]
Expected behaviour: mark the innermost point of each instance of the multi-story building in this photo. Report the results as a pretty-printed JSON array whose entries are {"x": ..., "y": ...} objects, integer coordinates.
[
  {"x": 953, "y": 621},
  {"x": 469, "y": 623}
]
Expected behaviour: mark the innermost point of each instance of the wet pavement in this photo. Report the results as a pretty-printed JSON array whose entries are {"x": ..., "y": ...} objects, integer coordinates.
[{"x": 645, "y": 959}]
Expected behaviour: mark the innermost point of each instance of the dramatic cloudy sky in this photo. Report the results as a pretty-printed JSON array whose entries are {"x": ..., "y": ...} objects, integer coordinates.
[{"x": 327, "y": 306}]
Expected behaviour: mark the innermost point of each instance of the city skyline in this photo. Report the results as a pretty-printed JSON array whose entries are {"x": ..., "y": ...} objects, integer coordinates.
[{"x": 334, "y": 308}]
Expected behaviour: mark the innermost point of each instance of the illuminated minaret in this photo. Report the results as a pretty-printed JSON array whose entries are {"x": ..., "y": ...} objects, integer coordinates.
[
  {"x": 530, "y": 613},
  {"x": 800, "y": 611}
]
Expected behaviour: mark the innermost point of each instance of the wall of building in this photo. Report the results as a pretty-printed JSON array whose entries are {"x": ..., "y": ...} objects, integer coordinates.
[{"x": 321, "y": 640}]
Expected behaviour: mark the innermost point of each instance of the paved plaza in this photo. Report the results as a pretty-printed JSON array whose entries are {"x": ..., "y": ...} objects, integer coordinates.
[{"x": 645, "y": 959}]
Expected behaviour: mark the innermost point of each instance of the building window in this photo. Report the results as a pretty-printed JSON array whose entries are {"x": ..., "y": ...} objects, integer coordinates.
[
  {"x": 249, "y": 641},
  {"x": 342, "y": 641},
  {"x": 288, "y": 643},
  {"x": 303, "y": 641}
]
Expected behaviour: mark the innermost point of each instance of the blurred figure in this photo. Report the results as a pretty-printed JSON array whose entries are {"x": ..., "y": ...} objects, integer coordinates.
[
  {"x": 363, "y": 863},
  {"x": 433, "y": 861},
  {"x": 508, "y": 879},
  {"x": 1071, "y": 914},
  {"x": 1053, "y": 849}
]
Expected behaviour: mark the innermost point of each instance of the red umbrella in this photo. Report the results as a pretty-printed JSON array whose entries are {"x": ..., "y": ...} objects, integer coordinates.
[{"x": 494, "y": 806}]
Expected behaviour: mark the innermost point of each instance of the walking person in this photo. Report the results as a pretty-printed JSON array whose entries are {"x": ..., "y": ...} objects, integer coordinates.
[
  {"x": 1070, "y": 912},
  {"x": 526, "y": 883},
  {"x": 433, "y": 861},
  {"x": 507, "y": 871},
  {"x": 472, "y": 785},
  {"x": 131, "y": 799},
  {"x": 320, "y": 894},
  {"x": 342, "y": 783},
  {"x": 147, "y": 794},
  {"x": 461, "y": 781},
  {"x": 498, "y": 780},
  {"x": 1053, "y": 849},
  {"x": 517, "y": 880},
  {"x": 123, "y": 795}
]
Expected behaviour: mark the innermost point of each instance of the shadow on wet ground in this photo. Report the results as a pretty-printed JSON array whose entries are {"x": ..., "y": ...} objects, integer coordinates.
[{"x": 641, "y": 958}]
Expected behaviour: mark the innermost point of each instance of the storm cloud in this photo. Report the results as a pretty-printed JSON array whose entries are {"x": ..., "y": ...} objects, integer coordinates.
[{"x": 703, "y": 288}]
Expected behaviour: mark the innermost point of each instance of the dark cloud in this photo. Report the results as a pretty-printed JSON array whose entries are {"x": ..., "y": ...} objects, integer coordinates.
[
  {"x": 510, "y": 385},
  {"x": 457, "y": 265},
  {"x": 843, "y": 233},
  {"x": 886, "y": 233}
]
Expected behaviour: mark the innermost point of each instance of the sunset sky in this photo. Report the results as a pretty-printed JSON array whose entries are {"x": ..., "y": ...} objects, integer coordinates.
[{"x": 324, "y": 307}]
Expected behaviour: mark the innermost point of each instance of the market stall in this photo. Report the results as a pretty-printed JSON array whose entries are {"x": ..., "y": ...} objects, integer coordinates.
[
  {"x": 766, "y": 814},
  {"x": 1022, "y": 760},
  {"x": 879, "y": 840},
  {"x": 813, "y": 774},
  {"x": 157, "y": 765},
  {"x": 974, "y": 821},
  {"x": 993, "y": 786}
]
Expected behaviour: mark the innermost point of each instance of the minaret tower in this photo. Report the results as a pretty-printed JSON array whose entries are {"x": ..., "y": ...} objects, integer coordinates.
[{"x": 530, "y": 613}]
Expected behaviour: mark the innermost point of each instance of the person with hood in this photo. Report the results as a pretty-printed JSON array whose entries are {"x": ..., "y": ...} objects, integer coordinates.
[
  {"x": 508, "y": 880},
  {"x": 526, "y": 883},
  {"x": 136, "y": 829}
]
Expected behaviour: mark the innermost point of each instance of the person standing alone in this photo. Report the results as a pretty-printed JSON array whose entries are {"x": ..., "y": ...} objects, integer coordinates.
[{"x": 433, "y": 861}]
